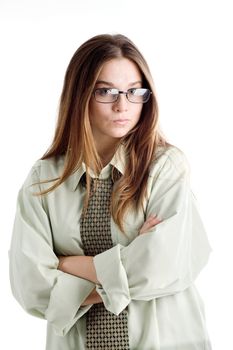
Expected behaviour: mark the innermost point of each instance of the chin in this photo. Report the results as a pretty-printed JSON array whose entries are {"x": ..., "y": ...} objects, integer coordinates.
[
  {"x": 119, "y": 135},
  {"x": 119, "y": 132}
]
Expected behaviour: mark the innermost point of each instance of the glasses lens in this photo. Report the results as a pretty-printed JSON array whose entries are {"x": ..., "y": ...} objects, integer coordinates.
[
  {"x": 138, "y": 95},
  {"x": 105, "y": 95}
]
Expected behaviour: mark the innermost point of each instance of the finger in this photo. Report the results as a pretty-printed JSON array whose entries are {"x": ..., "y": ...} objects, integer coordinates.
[
  {"x": 152, "y": 216},
  {"x": 157, "y": 220},
  {"x": 154, "y": 219},
  {"x": 153, "y": 223}
]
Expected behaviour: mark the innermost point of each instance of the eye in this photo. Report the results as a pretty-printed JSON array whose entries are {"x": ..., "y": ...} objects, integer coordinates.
[
  {"x": 132, "y": 91},
  {"x": 103, "y": 91}
]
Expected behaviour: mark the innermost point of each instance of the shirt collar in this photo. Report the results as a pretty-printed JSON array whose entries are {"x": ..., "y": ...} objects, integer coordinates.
[{"x": 118, "y": 161}]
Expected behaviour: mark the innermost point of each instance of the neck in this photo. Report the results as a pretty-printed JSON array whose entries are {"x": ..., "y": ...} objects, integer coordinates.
[
  {"x": 106, "y": 152},
  {"x": 106, "y": 157}
]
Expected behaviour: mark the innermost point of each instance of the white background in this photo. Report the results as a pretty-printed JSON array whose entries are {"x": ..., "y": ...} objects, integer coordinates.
[{"x": 188, "y": 45}]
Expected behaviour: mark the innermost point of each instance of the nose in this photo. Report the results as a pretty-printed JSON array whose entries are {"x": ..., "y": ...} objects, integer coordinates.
[{"x": 121, "y": 105}]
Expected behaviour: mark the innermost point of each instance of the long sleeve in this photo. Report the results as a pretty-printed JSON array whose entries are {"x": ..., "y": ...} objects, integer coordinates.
[
  {"x": 165, "y": 260},
  {"x": 38, "y": 286}
]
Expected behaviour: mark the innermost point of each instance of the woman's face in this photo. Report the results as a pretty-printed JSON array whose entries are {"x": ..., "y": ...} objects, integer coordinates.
[{"x": 112, "y": 121}]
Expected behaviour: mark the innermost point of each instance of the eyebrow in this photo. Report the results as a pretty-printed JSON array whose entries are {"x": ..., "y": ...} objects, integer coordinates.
[{"x": 111, "y": 84}]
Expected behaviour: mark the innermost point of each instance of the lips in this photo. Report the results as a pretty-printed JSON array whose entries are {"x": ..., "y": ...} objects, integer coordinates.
[{"x": 121, "y": 121}]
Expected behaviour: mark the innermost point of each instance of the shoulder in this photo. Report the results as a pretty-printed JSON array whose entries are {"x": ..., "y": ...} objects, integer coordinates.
[
  {"x": 45, "y": 169},
  {"x": 170, "y": 162}
]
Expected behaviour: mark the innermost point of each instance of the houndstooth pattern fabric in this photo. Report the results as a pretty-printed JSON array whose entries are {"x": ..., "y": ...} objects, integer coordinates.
[{"x": 104, "y": 330}]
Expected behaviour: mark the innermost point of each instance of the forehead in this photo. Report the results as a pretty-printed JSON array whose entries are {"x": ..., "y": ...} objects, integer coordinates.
[{"x": 120, "y": 71}]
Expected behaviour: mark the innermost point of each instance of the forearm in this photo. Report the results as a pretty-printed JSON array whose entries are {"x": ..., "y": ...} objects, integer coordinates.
[{"x": 80, "y": 266}]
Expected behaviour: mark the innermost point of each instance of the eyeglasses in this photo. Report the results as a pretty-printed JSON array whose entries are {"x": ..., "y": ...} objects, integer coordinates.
[{"x": 138, "y": 95}]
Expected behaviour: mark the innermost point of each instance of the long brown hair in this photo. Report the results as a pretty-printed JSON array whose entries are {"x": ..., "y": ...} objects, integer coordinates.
[{"x": 73, "y": 135}]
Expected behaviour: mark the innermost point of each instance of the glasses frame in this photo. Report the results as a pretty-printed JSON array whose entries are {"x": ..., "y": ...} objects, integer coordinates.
[{"x": 123, "y": 93}]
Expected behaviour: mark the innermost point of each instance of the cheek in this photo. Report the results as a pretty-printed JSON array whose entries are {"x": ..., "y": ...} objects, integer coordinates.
[
  {"x": 137, "y": 113},
  {"x": 97, "y": 112}
]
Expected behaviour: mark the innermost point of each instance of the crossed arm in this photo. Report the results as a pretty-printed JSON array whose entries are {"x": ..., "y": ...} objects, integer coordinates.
[{"x": 83, "y": 266}]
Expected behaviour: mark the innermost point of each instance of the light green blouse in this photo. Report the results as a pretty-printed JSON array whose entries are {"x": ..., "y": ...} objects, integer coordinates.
[{"x": 152, "y": 274}]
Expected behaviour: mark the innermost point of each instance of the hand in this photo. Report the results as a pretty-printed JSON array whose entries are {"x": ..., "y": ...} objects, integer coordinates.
[
  {"x": 151, "y": 221},
  {"x": 93, "y": 298}
]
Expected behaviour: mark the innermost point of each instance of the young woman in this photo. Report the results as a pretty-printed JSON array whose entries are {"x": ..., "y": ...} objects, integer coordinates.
[{"x": 107, "y": 240}]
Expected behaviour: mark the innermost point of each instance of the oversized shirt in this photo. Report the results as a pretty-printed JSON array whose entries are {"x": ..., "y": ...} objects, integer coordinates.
[{"x": 152, "y": 275}]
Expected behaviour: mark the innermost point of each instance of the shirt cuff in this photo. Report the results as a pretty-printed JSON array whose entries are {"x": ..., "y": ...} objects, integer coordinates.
[
  {"x": 113, "y": 287},
  {"x": 66, "y": 298}
]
